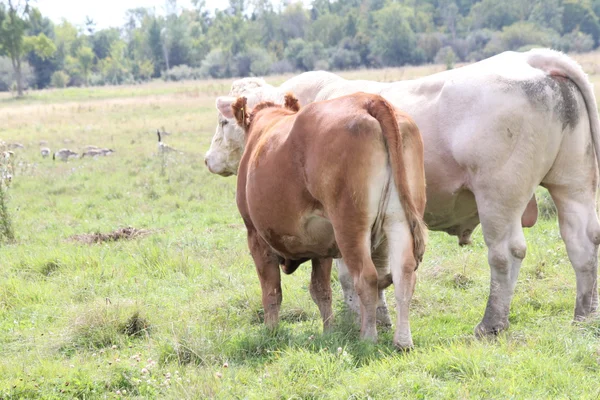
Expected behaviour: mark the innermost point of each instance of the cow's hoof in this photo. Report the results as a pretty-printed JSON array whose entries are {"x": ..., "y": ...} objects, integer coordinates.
[
  {"x": 590, "y": 317},
  {"x": 404, "y": 346},
  {"x": 370, "y": 335},
  {"x": 328, "y": 326},
  {"x": 485, "y": 331}
]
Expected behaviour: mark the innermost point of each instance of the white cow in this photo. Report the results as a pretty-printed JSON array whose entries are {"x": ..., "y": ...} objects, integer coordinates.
[{"x": 493, "y": 131}]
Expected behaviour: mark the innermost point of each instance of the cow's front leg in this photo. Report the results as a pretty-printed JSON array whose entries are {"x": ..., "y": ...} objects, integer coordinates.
[
  {"x": 320, "y": 289},
  {"x": 267, "y": 267}
]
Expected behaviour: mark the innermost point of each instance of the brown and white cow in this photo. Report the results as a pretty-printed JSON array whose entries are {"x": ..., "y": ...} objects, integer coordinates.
[
  {"x": 331, "y": 181},
  {"x": 493, "y": 131}
]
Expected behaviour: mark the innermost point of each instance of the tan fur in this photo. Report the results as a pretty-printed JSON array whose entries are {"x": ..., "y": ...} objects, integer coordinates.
[{"x": 305, "y": 192}]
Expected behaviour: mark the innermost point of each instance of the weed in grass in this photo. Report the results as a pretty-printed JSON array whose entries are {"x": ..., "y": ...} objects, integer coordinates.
[
  {"x": 50, "y": 267},
  {"x": 136, "y": 325},
  {"x": 6, "y": 226},
  {"x": 101, "y": 326},
  {"x": 119, "y": 234}
]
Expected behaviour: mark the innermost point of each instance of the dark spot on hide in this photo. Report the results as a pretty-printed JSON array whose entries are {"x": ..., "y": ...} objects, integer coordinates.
[{"x": 563, "y": 97}]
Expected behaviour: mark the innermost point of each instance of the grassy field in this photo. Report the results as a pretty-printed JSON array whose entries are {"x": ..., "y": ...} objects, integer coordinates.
[{"x": 177, "y": 313}]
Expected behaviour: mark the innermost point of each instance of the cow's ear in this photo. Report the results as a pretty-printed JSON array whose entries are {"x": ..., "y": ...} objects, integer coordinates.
[
  {"x": 224, "y": 105},
  {"x": 291, "y": 102},
  {"x": 240, "y": 112}
]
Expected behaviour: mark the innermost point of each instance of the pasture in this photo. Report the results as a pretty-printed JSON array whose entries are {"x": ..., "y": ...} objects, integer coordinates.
[{"x": 176, "y": 313}]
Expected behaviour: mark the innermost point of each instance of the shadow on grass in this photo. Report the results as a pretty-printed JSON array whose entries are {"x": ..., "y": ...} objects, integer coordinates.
[{"x": 256, "y": 345}]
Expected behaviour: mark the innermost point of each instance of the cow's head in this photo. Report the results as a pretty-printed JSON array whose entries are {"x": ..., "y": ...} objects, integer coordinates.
[{"x": 227, "y": 145}]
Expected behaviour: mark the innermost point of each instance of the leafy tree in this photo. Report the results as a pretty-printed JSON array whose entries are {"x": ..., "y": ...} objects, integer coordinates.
[
  {"x": 102, "y": 42},
  {"x": 216, "y": 64},
  {"x": 294, "y": 22},
  {"x": 579, "y": 15},
  {"x": 329, "y": 29},
  {"x": 115, "y": 67},
  {"x": 154, "y": 42},
  {"x": 494, "y": 14},
  {"x": 43, "y": 66},
  {"x": 60, "y": 79},
  {"x": 393, "y": 40},
  {"x": 85, "y": 57},
  {"x": 254, "y": 37},
  {"x": 13, "y": 40},
  {"x": 577, "y": 42},
  {"x": 548, "y": 13}
]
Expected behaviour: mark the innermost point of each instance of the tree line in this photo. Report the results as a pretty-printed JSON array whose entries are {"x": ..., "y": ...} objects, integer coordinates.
[{"x": 258, "y": 37}]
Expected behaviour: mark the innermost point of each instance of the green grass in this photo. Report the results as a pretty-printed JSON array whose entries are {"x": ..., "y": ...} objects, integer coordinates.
[{"x": 177, "y": 314}]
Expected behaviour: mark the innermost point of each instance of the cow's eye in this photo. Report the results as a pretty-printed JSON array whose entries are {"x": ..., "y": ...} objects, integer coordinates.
[{"x": 224, "y": 122}]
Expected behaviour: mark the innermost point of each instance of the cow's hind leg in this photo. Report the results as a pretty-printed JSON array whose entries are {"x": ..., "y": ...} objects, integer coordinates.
[
  {"x": 351, "y": 298},
  {"x": 267, "y": 267},
  {"x": 403, "y": 266},
  {"x": 580, "y": 231},
  {"x": 503, "y": 234},
  {"x": 355, "y": 248},
  {"x": 347, "y": 282},
  {"x": 380, "y": 257},
  {"x": 320, "y": 289}
]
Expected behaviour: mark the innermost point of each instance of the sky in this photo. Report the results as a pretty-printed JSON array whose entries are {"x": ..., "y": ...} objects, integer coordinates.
[{"x": 107, "y": 13}]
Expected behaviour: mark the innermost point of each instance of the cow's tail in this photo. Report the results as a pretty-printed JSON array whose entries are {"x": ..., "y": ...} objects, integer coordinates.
[
  {"x": 556, "y": 63},
  {"x": 386, "y": 115}
]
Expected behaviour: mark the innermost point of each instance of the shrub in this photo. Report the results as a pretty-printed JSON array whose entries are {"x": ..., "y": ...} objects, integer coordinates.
[
  {"x": 142, "y": 70},
  {"x": 446, "y": 56},
  {"x": 216, "y": 64},
  {"x": 321, "y": 65},
  {"x": 292, "y": 52},
  {"x": 261, "y": 61},
  {"x": 59, "y": 79},
  {"x": 255, "y": 61},
  {"x": 311, "y": 54},
  {"x": 7, "y": 75},
  {"x": 430, "y": 43},
  {"x": 96, "y": 80},
  {"x": 182, "y": 73},
  {"x": 281, "y": 67},
  {"x": 525, "y": 33},
  {"x": 345, "y": 59},
  {"x": 577, "y": 42},
  {"x": 477, "y": 40}
]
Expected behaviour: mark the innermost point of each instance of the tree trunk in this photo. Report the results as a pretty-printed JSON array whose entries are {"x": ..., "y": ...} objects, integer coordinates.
[
  {"x": 166, "y": 53},
  {"x": 18, "y": 75}
]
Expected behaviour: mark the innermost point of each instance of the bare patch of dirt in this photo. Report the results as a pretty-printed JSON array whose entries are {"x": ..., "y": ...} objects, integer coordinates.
[{"x": 120, "y": 234}]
